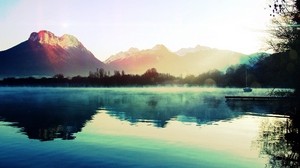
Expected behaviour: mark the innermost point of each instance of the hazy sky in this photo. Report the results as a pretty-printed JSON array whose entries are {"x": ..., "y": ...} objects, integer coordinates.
[{"x": 106, "y": 27}]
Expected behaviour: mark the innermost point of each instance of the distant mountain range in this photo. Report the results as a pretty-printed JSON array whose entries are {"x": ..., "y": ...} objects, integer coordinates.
[
  {"x": 45, "y": 54},
  {"x": 185, "y": 61}
]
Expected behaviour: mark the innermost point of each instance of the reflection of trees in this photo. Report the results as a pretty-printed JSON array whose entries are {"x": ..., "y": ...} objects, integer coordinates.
[
  {"x": 159, "y": 108},
  {"x": 275, "y": 107},
  {"x": 47, "y": 115},
  {"x": 140, "y": 108},
  {"x": 63, "y": 132},
  {"x": 285, "y": 40},
  {"x": 279, "y": 140}
]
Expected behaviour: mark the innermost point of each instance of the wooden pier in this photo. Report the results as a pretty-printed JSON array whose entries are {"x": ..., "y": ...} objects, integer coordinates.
[{"x": 258, "y": 98}]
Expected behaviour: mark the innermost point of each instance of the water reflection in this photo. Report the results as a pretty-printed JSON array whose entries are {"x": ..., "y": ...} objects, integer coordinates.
[
  {"x": 49, "y": 113},
  {"x": 160, "y": 108},
  {"x": 261, "y": 107},
  {"x": 279, "y": 136},
  {"x": 46, "y": 114},
  {"x": 279, "y": 139}
]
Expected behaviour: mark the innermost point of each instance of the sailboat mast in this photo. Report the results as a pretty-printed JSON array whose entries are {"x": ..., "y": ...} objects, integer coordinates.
[
  {"x": 247, "y": 89},
  {"x": 246, "y": 78}
]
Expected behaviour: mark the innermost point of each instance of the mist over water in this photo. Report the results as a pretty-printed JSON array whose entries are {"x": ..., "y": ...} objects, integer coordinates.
[{"x": 131, "y": 127}]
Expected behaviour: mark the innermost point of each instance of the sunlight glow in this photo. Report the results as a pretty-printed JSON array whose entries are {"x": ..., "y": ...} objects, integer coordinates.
[
  {"x": 209, "y": 136},
  {"x": 65, "y": 25},
  {"x": 106, "y": 28}
]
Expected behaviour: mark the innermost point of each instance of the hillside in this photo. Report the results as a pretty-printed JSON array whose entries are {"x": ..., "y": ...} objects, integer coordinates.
[{"x": 45, "y": 54}]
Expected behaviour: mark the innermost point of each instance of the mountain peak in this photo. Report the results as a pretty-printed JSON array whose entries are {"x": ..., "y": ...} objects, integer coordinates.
[
  {"x": 47, "y": 37},
  {"x": 68, "y": 41},
  {"x": 133, "y": 50},
  {"x": 160, "y": 47},
  {"x": 42, "y": 36},
  {"x": 45, "y": 54}
]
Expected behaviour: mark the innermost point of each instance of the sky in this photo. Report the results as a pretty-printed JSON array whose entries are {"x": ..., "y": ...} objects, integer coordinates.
[{"x": 106, "y": 27}]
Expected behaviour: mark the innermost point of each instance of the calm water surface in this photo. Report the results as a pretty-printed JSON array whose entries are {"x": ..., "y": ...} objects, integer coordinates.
[{"x": 134, "y": 127}]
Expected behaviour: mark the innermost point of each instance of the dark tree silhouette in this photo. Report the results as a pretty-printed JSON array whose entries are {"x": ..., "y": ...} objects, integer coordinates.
[
  {"x": 281, "y": 140},
  {"x": 286, "y": 19},
  {"x": 58, "y": 76},
  {"x": 151, "y": 73},
  {"x": 286, "y": 34}
]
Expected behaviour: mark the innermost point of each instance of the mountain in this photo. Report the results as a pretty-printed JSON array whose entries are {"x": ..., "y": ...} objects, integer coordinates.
[
  {"x": 138, "y": 61},
  {"x": 206, "y": 58},
  {"x": 185, "y": 61},
  {"x": 185, "y": 51},
  {"x": 45, "y": 54}
]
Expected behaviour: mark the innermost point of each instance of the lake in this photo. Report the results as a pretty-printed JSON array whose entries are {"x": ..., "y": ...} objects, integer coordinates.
[{"x": 137, "y": 127}]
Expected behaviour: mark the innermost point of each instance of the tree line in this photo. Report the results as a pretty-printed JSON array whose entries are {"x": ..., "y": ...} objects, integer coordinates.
[
  {"x": 276, "y": 70},
  {"x": 94, "y": 79}
]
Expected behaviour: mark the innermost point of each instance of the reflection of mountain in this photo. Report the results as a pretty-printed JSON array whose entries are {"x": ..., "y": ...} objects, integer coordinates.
[
  {"x": 159, "y": 108},
  {"x": 46, "y": 114},
  {"x": 50, "y": 113},
  {"x": 190, "y": 107}
]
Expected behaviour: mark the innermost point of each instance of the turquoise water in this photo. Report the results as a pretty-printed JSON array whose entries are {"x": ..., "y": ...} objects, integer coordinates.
[{"x": 132, "y": 127}]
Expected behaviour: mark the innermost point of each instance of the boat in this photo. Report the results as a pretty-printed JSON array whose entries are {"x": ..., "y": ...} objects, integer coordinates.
[{"x": 247, "y": 89}]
